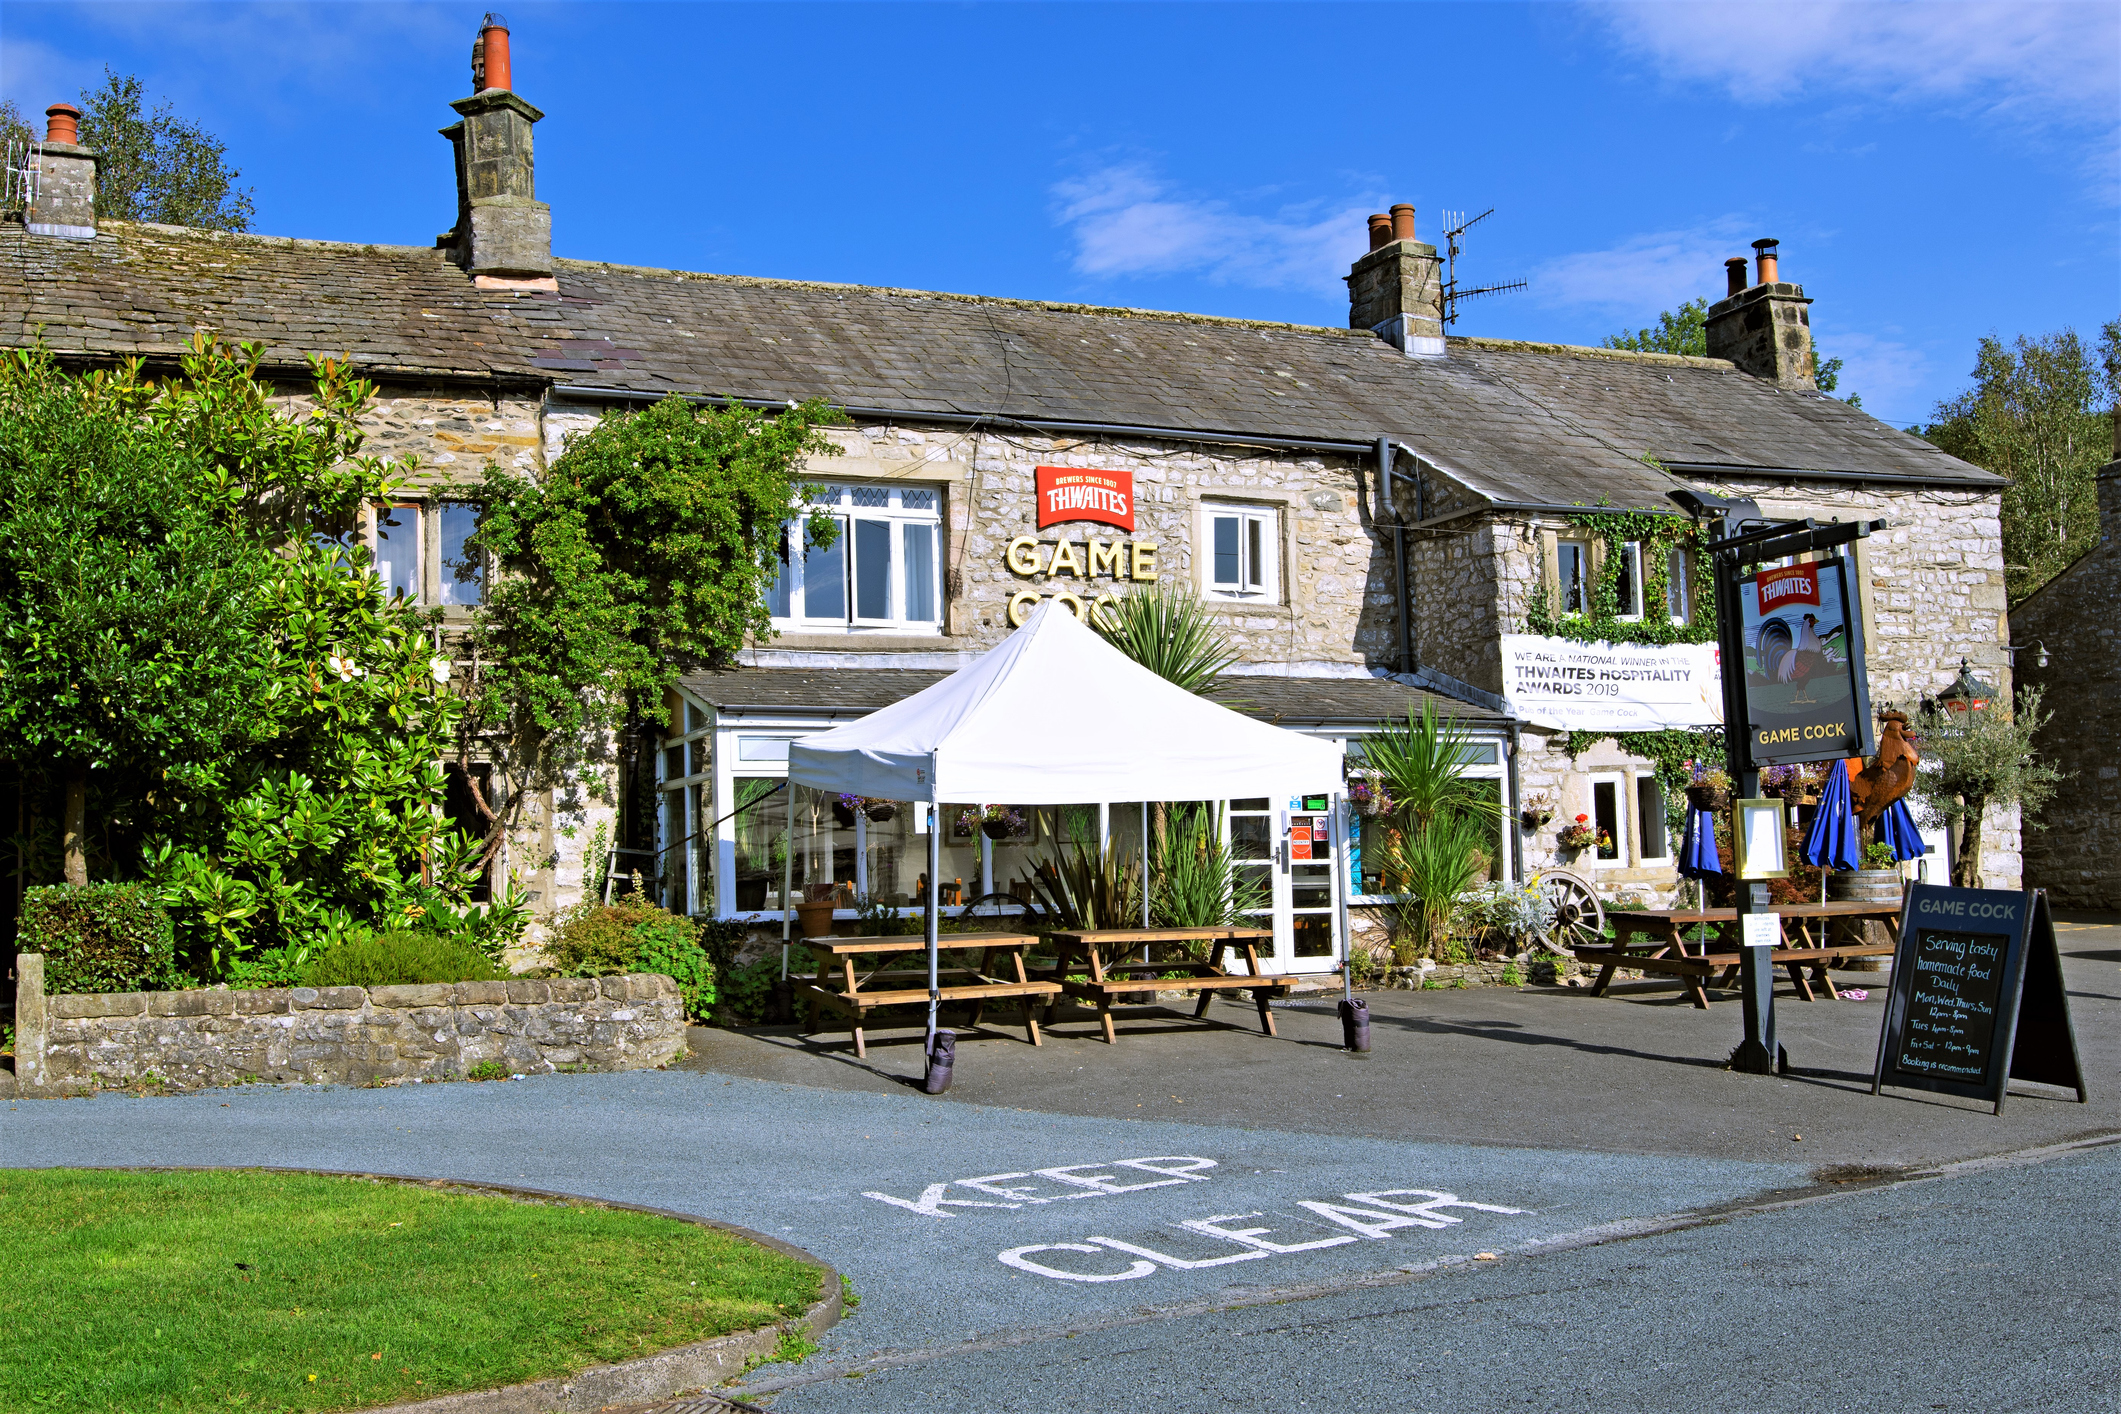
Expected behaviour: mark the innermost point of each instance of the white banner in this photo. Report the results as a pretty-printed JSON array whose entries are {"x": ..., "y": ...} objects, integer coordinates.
[{"x": 1611, "y": 687}]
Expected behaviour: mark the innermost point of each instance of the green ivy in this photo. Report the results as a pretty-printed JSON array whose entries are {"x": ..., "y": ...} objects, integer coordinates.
[
  {"x": 1671, "y": 750},
  {"x": 1658, "y": 534}
]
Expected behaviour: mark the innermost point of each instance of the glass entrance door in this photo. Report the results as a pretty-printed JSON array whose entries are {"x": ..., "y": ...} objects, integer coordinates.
[{"x": 1305, "y": 915}]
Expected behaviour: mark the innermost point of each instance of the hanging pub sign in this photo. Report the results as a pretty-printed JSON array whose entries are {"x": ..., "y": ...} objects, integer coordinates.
[
  {"x": 1806, "y": 697},
  {"x": 1977, "y": 999},
  {"x": 1068, "y": 493}
]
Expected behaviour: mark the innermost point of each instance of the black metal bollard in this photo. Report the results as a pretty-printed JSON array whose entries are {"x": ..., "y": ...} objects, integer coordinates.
[
  {"x": 940, "y": 1060},
  {"x": 1355, "y": 1026}
]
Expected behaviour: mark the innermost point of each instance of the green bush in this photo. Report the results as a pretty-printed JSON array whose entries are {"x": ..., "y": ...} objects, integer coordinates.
[
  {"x": 399, "y": 959},
  {"x": 633, "y": 935},
  {"x": 747, "y": 993},
  {"x": 99, "y": 938}
]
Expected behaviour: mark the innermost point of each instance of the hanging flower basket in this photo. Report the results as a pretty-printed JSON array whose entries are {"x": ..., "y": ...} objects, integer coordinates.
[
  {"x": 1535, "y": 817},
  {"x": 1370, "y": 796},
  {"x": 996, "y": 822},
  {"x": 1708, "y": 797},
  {"x": 843, "y": 810},
  {"x": 999, "y": 829},
  {"x": 881, "y": 810},
  {"x": 1580, "y": 835}
]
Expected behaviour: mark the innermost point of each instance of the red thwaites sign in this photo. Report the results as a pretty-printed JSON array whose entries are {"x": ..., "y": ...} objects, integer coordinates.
[
  {"x": 1070, "y": 493},
  {"x": 1799, "y": 584}
]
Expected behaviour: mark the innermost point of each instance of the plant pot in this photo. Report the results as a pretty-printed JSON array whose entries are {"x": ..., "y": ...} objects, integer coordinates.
[
  {"x": 1863, "y": 886},
  {"x": 844, "y": 814},
  {"x": 997, "y": 830},
  {"x": 1536, "y": 819},
  {"x": 881, "y": 810},
  {"x": 814, "y": 920},
  {"x": 1714, "y": 798}
]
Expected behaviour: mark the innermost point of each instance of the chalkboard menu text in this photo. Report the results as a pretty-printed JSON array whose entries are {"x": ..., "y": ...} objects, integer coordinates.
[{"x": 1976, "y": 998}]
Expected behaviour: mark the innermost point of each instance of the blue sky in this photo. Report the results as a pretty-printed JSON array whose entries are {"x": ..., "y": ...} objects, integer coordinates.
[{"x": 1935, "y": 172}]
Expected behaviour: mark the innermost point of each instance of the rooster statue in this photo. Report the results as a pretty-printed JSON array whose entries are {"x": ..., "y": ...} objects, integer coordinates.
[{"x": 1887, "y": 776}]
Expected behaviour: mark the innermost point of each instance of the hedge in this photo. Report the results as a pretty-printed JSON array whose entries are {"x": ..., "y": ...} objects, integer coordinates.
[{"x": 99, "y": 938}]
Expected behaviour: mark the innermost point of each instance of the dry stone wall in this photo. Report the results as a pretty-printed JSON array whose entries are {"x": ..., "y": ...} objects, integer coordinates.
[{"x": 339, "y": 1035}]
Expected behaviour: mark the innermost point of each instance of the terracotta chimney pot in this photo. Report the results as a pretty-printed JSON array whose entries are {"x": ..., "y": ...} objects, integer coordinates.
[
  {"x": 64, "y": 124},
  {"x": 493, "y": 38},
  {"x": 1734, "y": 270},
  {"x": 1764, "y": 251},
  {"x": 1380, "y": 230},
  {"x": 1403, "y": 222}
]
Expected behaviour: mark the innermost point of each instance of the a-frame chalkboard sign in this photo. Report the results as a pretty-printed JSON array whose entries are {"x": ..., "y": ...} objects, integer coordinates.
[{"x": 1977, "y": 999}]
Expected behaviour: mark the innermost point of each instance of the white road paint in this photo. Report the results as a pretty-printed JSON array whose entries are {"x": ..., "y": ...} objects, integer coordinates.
[
  {"x": 1075, "y": 1181},
  {"x": 1384, "y": 1213}
]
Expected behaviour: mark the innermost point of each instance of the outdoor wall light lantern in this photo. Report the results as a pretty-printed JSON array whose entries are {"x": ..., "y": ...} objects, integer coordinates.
[
  {"x": 1761, "y": 839},
  {"x": 1967, "y": 692}
]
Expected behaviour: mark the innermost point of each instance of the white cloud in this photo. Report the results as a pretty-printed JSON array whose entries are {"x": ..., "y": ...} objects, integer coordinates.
[
  {"x": 1127, "y": 221},
  {"x": 1889, "y": 376},
  {"x": 2032, "y": 61},
  {"x": 1645, "y": 273}
]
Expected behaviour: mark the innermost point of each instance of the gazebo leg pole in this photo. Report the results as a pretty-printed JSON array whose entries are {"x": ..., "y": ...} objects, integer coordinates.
[
  {"x": 935, "y": 870},
  {"x": 1145, "y": 864},
  {"x": 788, "y": 881}
]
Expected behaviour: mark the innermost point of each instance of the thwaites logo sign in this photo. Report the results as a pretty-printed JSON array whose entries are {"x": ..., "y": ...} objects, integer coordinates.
[
  {"x": 1068, "y": 493},
  {"x": 1798, "y": 584}
]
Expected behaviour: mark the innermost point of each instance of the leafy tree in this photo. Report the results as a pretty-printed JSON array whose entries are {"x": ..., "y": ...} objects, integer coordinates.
[
  {"x": 1973, "y": 760},
  {"x": 156, "y": 165},
  {"x": 188, "y": 643},
  {"x": 1679, "y": 331},
  {"x": 2034, "y": 416},
  {"x": 646, "y": 549},
  {"x": 1685, "y": 331}
]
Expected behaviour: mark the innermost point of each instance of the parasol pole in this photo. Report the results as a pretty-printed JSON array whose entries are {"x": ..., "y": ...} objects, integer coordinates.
[{"x": 1347, "y": 939}]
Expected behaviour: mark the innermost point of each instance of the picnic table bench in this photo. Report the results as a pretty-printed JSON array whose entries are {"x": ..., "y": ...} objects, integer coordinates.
[
  {"x": 1108, "y": 980},
  {"x": 1655, "y": 941},
  {"x": 839, "y": 985}
]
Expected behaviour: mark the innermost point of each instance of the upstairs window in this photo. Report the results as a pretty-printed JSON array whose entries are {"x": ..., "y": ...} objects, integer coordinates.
[
  {"x": 1627, "y": 582},
  {"x": 422, "y": 552},
  {"x": 883, "y": 572},
  {"x": 1572, "y": 566},
  {"x": 1675, "y": 585},
  {"x": 1241, "y": 559}
]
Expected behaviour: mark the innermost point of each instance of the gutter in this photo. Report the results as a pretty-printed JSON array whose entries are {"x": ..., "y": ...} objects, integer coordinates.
[
  {"x": 1791, "y": 473},
  {"x": 961, "y": 419}
]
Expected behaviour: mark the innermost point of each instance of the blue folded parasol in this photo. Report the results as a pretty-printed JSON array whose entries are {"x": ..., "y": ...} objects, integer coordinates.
[
  {"x": 1896, "y": 827},
  {"x": 1697, "y": 857},
  {"x": 1832, "y": 842}
]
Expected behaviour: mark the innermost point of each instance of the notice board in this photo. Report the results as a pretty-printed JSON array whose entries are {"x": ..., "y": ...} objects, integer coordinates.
[{"x": 1976, "y": 999}]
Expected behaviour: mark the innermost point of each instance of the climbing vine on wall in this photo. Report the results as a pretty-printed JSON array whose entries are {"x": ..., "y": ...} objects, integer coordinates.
[{"x": 1670, "y": 750}]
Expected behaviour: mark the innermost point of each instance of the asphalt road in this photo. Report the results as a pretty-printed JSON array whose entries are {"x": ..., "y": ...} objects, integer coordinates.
[{"x": 1202, "y": 1208}]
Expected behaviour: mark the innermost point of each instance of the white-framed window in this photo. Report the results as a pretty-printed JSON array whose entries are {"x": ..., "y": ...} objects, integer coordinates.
[
  {"x": 1609, "y": 817},
  {"x": 1675, "y": 585},
  {"x": 1653, "y": 826},
  {"x": 1572, "y": 574},
  {"x": 883, "y": 572},
  {"x": 1242, "y": 559},
  {"x": 1627, "y": 582},
  {"x": 422, "y": 552}
]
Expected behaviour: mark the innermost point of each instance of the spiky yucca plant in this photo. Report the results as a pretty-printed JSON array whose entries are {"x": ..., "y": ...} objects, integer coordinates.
[{"x": 1169, "y": 631}]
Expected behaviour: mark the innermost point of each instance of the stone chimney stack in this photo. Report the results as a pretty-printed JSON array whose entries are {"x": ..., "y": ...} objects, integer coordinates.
[
  {"x": 503, "y": 234},
  {"x": 1397, "y": 289},
  {"x": 1765, "y": 328},
  {"x": 65, "y": 204}
]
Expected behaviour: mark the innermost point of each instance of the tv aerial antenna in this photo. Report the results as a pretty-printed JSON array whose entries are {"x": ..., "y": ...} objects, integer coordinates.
[
  {"x": 1457, "y": 225},
  {"x": 23, "y": 175}
]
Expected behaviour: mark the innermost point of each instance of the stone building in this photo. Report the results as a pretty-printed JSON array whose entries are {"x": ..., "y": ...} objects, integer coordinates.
[
  {"x": 2068, "y": 636},
  {"x": 1367, "y": 509}
]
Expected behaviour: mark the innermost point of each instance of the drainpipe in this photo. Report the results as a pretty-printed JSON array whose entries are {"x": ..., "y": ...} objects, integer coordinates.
[
  {"x": 1518, "y": 873},
  {"x": 1400, "y": 608}
]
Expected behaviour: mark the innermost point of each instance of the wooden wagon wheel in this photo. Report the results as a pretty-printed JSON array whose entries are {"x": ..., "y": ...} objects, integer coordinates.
[{"x": 1579, "y": 919}]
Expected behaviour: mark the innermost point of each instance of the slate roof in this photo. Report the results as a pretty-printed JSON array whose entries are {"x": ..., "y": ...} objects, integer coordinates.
[
  {"x": 1282, "y": 700},
  {"x": 1520, "y": 424}
]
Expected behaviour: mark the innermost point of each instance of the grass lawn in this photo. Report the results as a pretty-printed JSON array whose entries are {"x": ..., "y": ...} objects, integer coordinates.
[{"x": 141, "y": 1292}]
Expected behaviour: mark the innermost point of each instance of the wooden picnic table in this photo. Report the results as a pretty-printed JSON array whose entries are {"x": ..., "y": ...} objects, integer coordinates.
[
  {"x": 1108, "y": 980},
  {"x": 1655, "y": 941},
  {"x": 839, "y": 985}
]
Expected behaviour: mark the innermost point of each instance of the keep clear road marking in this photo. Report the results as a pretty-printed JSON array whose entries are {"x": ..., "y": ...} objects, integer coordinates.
[
  {"x": 1375, "y": 1222},
  {"x": 1176, "y": 1169}
]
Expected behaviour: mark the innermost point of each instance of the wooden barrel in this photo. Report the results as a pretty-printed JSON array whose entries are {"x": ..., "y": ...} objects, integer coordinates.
[{"x": 1863, "y": 886}]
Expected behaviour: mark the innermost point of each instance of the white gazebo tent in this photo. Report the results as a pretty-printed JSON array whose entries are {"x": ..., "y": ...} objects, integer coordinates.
[{"x": 1055, "y": 716}]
